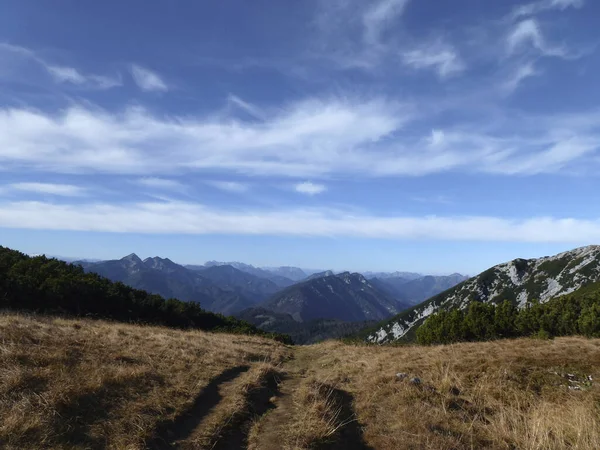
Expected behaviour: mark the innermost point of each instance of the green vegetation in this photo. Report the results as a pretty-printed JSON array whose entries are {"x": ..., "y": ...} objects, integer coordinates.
[
  {"x": 47, "y": 285},
  {"x": 574, "y": 314}
]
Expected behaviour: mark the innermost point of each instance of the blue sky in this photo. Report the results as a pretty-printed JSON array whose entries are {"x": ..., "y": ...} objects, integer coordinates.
[{"x": 347, "y": 134}]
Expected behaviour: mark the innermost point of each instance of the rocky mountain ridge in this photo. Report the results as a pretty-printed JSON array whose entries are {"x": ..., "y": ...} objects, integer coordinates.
[{"x": 519, "y": 281}]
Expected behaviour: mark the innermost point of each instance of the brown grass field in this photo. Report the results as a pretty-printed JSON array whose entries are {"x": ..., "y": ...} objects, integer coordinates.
[{"x": 82, "y": 384}]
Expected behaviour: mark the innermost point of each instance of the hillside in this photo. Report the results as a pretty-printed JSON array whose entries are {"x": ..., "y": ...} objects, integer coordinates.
[
  {"x": 301, "y": 333},
  {"x": 248, "y": 268},
  {"x": 83, "y": 384},
  {"x": 517, "y": 281},
  {"x": 87, "y": 384},
  {"x": 51, "y": 286},
  {"x": 415, "y": 290},
  {"x": 347, "y": 296}
]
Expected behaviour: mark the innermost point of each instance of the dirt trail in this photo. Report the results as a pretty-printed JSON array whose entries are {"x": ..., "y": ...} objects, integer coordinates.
[
  {"x": 276, "y": 423},
  {"x": 273, "y": 426}
]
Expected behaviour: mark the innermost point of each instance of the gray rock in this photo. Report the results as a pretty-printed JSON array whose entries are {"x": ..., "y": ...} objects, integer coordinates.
[
  {"x": 401, "y": 375},
  {"x": 415, "y": 380}
]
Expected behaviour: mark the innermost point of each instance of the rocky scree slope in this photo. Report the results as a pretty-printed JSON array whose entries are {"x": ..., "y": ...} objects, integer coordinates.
[{"x": 520, "y": 280}]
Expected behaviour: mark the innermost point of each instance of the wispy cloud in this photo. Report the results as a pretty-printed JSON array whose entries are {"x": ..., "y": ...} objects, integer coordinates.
[
  {"x": 545, "y": 5},
  {"x": 353, "y": 34},
  {"x": 441, "y": 57},
  {"x": 64, "y": 74},
  {"x": 147, "y": 80},
  {"x": 188, "y": 218},
  {"x": 71, "y": 75},
  {"x": 307, "y": 139},
  {"x": 64, "y": 190},
  {"x": 310, "y": 188},
  {"x": 520, "y": 74},
  {"x": 378, "y": 16},
  {"x": 250, "y": 109},
  {"x": 527, "y": 33},
  {"x": 229, "y": 186}
]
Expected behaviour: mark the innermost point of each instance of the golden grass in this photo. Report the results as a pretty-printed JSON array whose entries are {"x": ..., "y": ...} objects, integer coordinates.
[
  {"x": 82, "y": 384},
  {"x": 497, "y": 395},
  {"x": 318, "y": 415},
  {"x": 69, "y": 384}
]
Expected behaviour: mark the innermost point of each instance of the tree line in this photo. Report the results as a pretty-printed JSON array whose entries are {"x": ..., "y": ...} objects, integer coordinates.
[
  {"x": 574, "y": 314},
  {"x": 47, "y": 285}
]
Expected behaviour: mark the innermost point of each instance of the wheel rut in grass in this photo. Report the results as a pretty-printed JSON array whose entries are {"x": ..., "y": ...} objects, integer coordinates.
[
  {"x": 347, "y": 433},
  {"x": 273, "y": 425},
  {"x": 168, "y": 434},
  {"x": 259, "y": 401}
]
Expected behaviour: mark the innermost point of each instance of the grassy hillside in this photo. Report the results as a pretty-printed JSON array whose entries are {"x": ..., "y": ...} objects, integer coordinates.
[
  {"x": 86, "y": 384},
  {"x": 83, "y": 384},
  {"x": 48, "y": 285}
]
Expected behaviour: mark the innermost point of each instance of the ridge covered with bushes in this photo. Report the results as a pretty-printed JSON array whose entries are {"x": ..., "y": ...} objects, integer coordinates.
[
  {"x": 48, "y": 285},
  {"x": 573, "y": 314}
]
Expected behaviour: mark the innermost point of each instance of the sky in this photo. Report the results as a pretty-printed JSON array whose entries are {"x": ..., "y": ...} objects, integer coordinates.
[{"x": 427, "y": 136}]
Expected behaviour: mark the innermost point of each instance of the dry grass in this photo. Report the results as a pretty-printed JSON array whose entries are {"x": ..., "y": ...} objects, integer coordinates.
[
  {"x": 69, "y": 384},
  {"x": 318, "y": 415},
  {"x": 75, "y": 384},
  {"x": 497, "y": 395}
]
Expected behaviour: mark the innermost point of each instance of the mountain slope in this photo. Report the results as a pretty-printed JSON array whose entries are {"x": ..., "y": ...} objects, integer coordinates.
[
  {"x": 519, "y": 280},
  {"x": 301, "y": 333},
  {"x": 347, "y": 297},
  {"x": 292, "y": 273},
  {"x": 249, "y": 286},
  {"x": 279, "y": 280},
  {"x": 327, "y": 273},
  {"x": 164, "y": 277},
  {"x": 420, "y": 289}
]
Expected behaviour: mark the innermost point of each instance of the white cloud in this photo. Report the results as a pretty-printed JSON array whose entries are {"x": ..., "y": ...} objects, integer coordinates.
[
  {"x": 521, "y": 73},
  {"x": 439, "y": 56},
  {"x": 355, "y": 34},
  {"x": 437, "y": 138},
  {"x": 545, "y": 5},
  {"x": 65, "y": 190},
  {"x": 378, "y": 16},
  {"x": 187, "y": 218},
  {"x": 66, "y": 74},
  {"x": 161, "y": 183},
  {"x": 310, "y": 188},
  {"x": 229, "y": 186},
  {"x": 148, "y": 80},
  {"x": 63, "y": 74},
  {"x": 528, "y": 33},
  {"x": 307, "y": 139},
  {"x": 248, "y": 108}
]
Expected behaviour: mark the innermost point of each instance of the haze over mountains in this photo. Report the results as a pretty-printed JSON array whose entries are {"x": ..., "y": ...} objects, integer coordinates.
[{"x": 517, "y": 281}]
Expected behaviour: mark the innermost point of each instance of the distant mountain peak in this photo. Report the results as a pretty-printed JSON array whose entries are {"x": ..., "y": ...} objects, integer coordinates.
[{"x": 132, "y": 258}]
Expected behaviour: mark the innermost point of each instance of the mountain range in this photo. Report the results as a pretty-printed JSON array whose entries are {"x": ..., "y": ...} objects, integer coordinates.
[
  {"x": 519, "y": 281},
  {"x": 221, "y": 289},
  {"x": 321, "y": 300}
]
